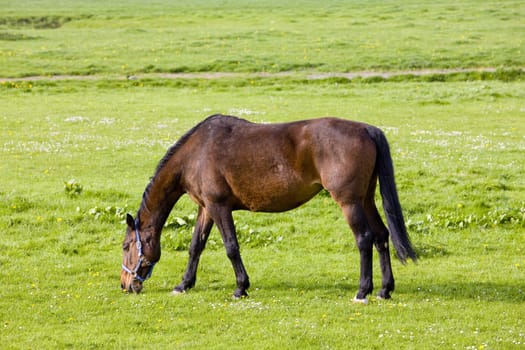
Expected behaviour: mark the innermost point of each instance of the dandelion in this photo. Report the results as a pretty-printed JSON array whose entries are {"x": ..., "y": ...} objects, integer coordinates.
[{"x": 59, "y": 220}]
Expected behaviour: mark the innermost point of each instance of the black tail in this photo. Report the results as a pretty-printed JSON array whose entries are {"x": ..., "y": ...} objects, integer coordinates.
[{"x": 391, "y": 205}]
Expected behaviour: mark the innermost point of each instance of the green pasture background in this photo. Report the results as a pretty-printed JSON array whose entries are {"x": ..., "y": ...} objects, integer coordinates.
[
  {"x": 90, "y": 100},
  {"x": 119, "y": 37}
]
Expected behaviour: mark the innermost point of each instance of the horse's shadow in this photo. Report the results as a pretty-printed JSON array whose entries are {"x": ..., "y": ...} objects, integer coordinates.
[
  {"x": 511, "y": 292},
  {"x": 475, "y": 291}
]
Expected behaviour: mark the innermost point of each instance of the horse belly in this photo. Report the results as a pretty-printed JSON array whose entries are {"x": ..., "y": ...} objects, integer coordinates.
[
  {"x": 275, "y": 196},
  {"x": 270, "y": 169}
]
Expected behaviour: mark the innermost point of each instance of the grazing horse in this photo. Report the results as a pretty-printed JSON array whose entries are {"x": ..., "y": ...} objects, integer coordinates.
[{"x": 226, "y": 163}]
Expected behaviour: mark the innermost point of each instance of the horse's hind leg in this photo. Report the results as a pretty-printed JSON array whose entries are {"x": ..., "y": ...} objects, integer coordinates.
[
  {"x": 222, "y": 216},
  {"x": 356, "y": 217},
  {"x": 201, "y": 232},
  {"x": 382, "y": 246}
]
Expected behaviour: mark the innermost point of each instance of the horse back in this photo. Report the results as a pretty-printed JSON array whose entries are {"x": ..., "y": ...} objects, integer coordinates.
[{"x": 275, "y": 167}]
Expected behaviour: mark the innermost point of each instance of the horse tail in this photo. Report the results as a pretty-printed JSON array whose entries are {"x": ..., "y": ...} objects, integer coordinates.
[{"x": 391, "y": 205}]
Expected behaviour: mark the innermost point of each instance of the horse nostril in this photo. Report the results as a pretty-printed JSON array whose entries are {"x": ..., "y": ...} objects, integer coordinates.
[{"x": 135, "y": 288}]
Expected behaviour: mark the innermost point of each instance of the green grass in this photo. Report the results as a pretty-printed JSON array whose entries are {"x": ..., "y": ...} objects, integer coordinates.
[
  {"x": 123, "y": 37},
  {"x": 457, "y": 149},
  {"x": 77, "y": 154}
]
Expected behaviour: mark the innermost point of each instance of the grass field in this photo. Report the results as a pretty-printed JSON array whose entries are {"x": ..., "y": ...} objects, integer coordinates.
[
  {"x": 77, "y": 154},
  {"x": 130, "y": 37}
]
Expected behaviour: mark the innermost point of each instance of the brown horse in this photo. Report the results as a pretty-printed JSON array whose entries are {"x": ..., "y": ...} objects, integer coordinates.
[{"x": 225, "y": 163}]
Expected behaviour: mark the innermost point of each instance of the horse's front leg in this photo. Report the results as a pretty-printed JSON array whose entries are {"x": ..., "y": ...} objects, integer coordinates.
[
  {"x": 201, "y": 232},
  {"x": 222, "y": 216}
]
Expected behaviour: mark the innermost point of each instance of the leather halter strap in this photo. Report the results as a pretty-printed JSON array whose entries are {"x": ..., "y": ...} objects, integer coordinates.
[{"x": 142, "y": 260}]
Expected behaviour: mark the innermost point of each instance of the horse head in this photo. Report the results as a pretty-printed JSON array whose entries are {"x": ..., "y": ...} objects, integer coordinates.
[{"x": 139, "y": 256}]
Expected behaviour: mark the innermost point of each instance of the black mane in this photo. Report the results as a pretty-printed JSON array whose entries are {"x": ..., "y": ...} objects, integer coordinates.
[{"x": 171, "y": 151}]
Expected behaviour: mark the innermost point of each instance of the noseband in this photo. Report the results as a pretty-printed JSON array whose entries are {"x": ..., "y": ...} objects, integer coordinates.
[{"x": 142, "y": 260}]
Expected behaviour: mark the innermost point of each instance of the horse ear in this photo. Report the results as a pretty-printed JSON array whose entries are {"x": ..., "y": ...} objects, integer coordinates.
[{"x": 130, "y": 221}]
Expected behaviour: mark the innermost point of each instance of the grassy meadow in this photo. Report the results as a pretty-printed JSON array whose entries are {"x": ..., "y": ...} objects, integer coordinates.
[
  {"x": 78, "y": 151},
  {"x": 130, "y": 37}
]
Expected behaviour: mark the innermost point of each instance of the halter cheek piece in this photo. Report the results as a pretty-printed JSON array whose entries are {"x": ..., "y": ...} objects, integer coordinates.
[{"x": 142, "y": 260}]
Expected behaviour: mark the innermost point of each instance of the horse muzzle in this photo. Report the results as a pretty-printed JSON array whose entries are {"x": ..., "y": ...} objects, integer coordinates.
[{"x": 129, "y": 284}]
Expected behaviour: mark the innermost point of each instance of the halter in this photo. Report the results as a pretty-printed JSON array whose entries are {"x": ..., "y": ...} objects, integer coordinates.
[{"x": 142, "y": 259}]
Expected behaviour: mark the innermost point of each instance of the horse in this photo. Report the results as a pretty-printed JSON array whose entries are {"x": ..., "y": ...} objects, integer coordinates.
[{"x": 226, "y": 163}]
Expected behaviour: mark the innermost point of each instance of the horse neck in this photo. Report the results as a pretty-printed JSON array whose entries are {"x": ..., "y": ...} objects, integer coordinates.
[{"x": 158, "y": 200}]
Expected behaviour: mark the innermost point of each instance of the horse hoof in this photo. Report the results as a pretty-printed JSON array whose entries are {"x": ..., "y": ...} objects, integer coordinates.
[
  {"x": 383, "y": 295},
  {"x": 239, "y": 296},
  {"x": 178, "y": 292},
  {"x": 363, "y": 301}
]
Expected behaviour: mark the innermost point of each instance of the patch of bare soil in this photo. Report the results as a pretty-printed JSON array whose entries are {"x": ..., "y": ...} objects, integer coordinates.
[{"x": 223, "y": 75}]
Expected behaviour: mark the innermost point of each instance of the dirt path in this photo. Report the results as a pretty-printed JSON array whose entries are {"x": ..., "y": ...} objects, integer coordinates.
[{"x": 223, "y": 75}]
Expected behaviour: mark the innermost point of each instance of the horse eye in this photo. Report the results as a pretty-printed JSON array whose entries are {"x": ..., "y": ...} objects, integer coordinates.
[{"x": 125, "y": 246}]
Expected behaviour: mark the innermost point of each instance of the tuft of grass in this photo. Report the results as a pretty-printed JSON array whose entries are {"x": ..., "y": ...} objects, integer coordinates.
[
  {"x": 73, "y": 188},
  {"x": 9, "y": 36},
  {"x": 178, "y": 231},
  {"x": 35, "y": 22}
]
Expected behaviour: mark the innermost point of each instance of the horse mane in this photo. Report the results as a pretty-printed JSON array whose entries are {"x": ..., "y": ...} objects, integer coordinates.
[{"x": 171, "y": 151}]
